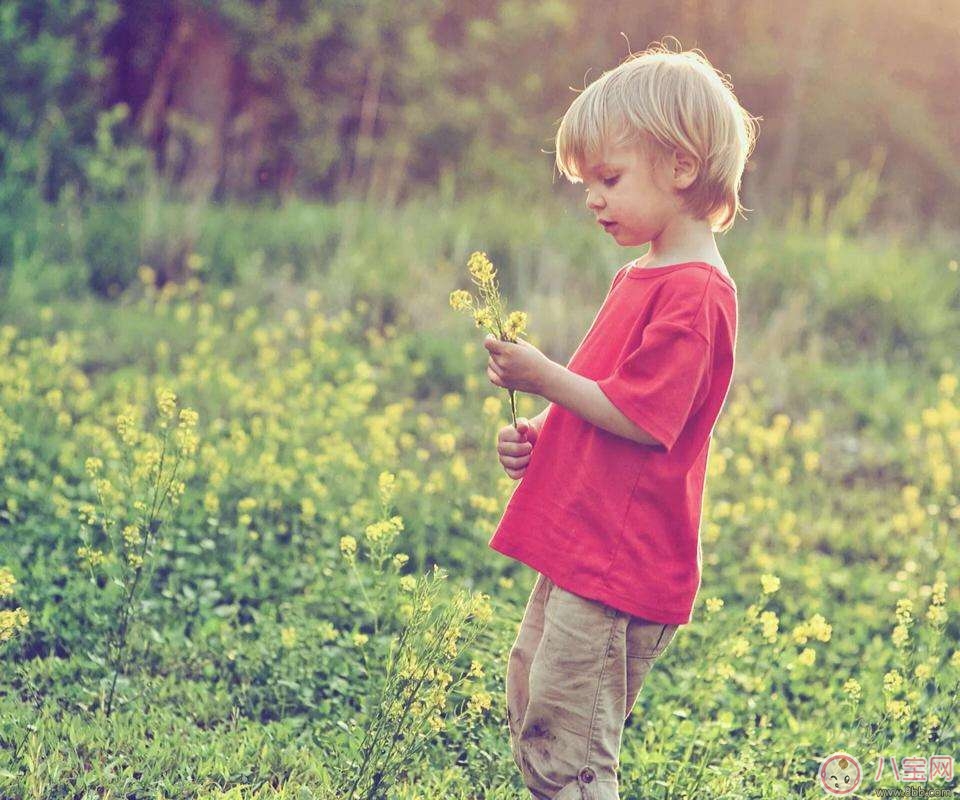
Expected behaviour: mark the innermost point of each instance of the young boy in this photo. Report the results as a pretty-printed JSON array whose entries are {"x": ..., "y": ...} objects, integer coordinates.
[{"x": 608, "y": 511}]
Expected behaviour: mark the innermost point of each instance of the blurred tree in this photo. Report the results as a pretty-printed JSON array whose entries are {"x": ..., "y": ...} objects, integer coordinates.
[
  {"x": 52, "y": 76},
  {"x": 369, "y": 99}
]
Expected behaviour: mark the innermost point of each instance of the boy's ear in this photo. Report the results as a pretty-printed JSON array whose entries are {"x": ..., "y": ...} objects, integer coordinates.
[{"x": 685, "y": 168}]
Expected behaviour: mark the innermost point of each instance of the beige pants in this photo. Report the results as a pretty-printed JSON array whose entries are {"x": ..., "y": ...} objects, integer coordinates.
[{"x": 573, "y": 676}]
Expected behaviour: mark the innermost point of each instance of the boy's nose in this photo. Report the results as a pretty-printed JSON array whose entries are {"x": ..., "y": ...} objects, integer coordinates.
[{"x": 594, "y": 202}]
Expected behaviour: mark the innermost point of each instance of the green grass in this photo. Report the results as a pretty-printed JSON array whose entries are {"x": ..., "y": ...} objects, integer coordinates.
[{"x": 306, "y": 397}]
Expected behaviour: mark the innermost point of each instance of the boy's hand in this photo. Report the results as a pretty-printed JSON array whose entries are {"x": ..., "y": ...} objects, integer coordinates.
[
  {"x": 517, "y": 365},
  {"x": 514, "y": 446}
]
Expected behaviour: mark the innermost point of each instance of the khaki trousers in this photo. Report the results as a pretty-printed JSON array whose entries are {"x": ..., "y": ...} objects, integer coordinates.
[{"x": 573, "y": 676}]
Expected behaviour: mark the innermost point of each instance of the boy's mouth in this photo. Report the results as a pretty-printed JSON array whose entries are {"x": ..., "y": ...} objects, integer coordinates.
[{"x": 607, "y": 225}]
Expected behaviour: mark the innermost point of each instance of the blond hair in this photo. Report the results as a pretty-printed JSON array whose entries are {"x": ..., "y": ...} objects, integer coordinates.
[{"x": 661, "y": 101}]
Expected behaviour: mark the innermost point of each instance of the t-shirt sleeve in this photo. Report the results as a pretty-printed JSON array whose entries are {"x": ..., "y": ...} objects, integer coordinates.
[{"x": 657, "y": 384}]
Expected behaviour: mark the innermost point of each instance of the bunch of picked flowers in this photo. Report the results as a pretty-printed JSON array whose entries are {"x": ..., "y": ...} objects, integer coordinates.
[{"x": 488, "y": 311}]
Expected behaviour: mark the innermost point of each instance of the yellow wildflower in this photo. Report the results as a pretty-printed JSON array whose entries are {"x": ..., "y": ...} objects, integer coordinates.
[
  {"x": 348, "y": 546},
  {"x": 483, "y": 317},
  {"x": 451, "y": 401},
  {"x": 126, "y": 427},
  {"x": 938, "y": 594},
  {"x": 480, "y": 607},
  {"x": 819, "y": 628},
  {"x": 7, "y": 582},
  {"x": 91, "y": 556},
  {"x": 360, "y": 639},
  {"x": 947, "y": 384},
  {"x": 516, "y": 324},
  {"x": 904, "y": 610},
  {"x": 408, "y": 583},
  {"x": 892, "y": 681},
  {"x": 186, "y": 441},
  {"x": 800, "y": 633},
  {"x": 481, "y": 268},
  {"x": 931, "y": 722},
  {"x": 131, "y": 535},
  {"x": 445, "y": 442},
  {"x": 852, "y": 688},
  {"x": 460, "y": 299},
  {"x": 769, "y": 622},
  {"x": 492, "y": 406},
  {"x": 288, "y": 637},
  {"x": 714, "y": 604},
  {"x": 308, "y": 509},
  {"x": 458, "y": 469},
  {"x": 490, "y": 505},
  {"x": 479, "y": 701},
  {"x": 166, "y": 401},
  {"x": 807, "y": 657},
  {"x": 211, "y": 503},
  {"x": 326, "y": 631},
  {"x": 11, "y": 622},
  {"x": 384, "y": 529},
  {"x": 900, "y": 635},
  {"x": 770, "y": 583},
  {"x": 740, "y": 647},
  {"x": 450, "y": 647},
  {"x": 898, "y": 709},
  {"x": 386, "y": 483}
]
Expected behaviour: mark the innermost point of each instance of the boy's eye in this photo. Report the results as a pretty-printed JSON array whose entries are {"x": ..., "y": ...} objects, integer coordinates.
[{"x": 610, "y": 181}]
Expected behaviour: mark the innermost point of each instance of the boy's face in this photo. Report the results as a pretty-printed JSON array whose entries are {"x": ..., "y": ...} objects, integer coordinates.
[{"x": 636, "y": 196}]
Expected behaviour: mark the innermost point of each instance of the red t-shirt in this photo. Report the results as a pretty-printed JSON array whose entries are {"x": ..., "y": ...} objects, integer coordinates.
[{"x": 604, "y": 516}]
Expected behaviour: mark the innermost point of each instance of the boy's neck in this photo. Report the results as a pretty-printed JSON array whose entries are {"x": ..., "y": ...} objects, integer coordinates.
[{"x": 682, "y": 239}]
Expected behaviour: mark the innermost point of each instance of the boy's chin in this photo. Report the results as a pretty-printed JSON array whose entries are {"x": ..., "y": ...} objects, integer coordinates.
[{"x": 626, "y": 239}]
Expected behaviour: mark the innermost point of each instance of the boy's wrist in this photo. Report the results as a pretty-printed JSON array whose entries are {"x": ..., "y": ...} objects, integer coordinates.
[{"x": 550, "y": 381}]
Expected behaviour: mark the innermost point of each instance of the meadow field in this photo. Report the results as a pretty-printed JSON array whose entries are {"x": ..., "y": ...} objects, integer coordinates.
[
  {"x": 248, "y": 443},
  {"x": 245, "y": 514}
]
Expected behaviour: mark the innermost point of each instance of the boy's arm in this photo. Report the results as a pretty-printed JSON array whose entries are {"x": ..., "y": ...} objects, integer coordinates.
[{"x": 585, "y": 398}]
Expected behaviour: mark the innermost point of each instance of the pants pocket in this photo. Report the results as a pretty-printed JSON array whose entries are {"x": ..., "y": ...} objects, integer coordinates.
[
  {"x": 648, "y": 639},
  {"x": 586, "y": 786}
]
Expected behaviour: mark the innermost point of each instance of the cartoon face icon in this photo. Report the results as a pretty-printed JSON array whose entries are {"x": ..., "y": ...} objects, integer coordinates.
[{"x": 840, "y": 774}]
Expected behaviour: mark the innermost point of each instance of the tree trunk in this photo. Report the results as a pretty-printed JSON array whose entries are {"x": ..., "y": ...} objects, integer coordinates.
[
  {"x": 202, "y": 99},
  {"x": 778, "y": 187}
]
